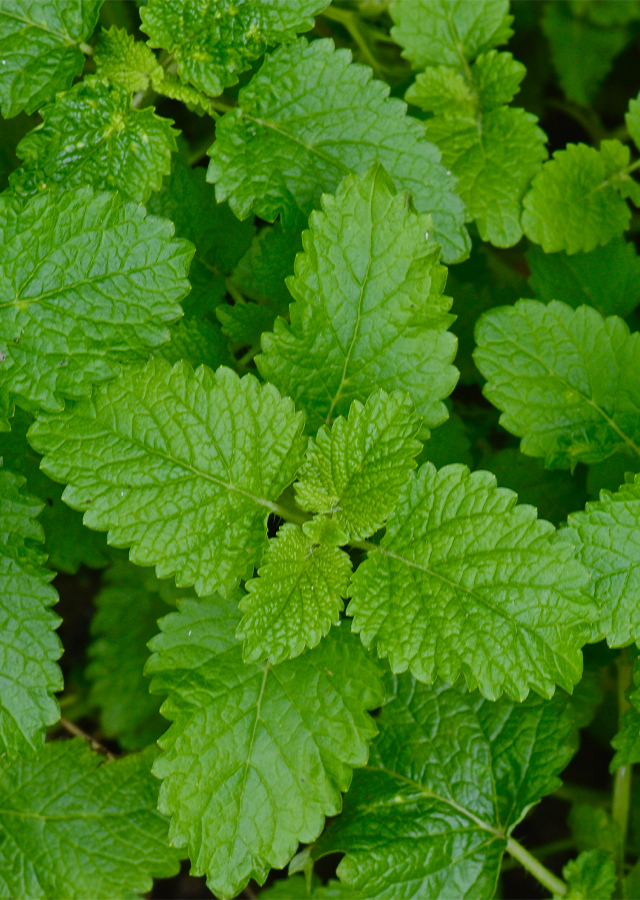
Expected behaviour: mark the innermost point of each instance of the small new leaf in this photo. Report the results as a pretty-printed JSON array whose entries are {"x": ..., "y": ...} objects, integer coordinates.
[
  {"x": 213, "y": 42},
  {"x": 182, "y": 467},
  {"x": 40, "y": 49},
  {"x": 276, "y": 154},
  {"x": 592, "y": 876},
  {"x": 29, "y": 646},
  {"x": 92, "y": 135},
  {"x": 256, "y": 756},
  {"x": 98, "y": 822},
  {"x": 122, "y": 60},
  {"x": 369, "y": 310},
  {"x": 464, "y": 581},
  {"x": 296, "y": 599},
  {"x": 86, "y": 282},
  {"x": 567, "y": 381},
  {"x": 450, "y": 775},
  {"x": 355, "y": 472}
]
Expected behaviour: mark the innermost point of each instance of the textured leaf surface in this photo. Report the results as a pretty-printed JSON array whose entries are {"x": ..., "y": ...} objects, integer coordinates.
[
  {"x": 86, "y": 282},
  {"x": 465, "y": 581},
  {"x": 308, "y": 118},
  {"x": 369, "y": 309},
  {"x": 256, "y": 756},
  {"x": 127, "y": 611},
  {"x": 627, "y": 741},
  {"x": 608, "y": 278},
  {"x": 92, "y": 135},
  {"x": 592, "y": 876},
  {"x": 39, "y": 46},
  {"x": 182, "y": 467},
  {"x": 67, "y": 543},
  {"x": 434, "y": 32},
  {"x": 29, "y": 646},
  {"x": 219, "y": 238},
  {"x": 296, "y": 599},
  {"x": 450, "y": 775},
  {"x": 199, "y": 342},
  {"x": 567, "y": 381},
  {"x": 122, "y": 60},
  {"x": 574, "y": 203},
  {"x": 355, "y": 471},
  {"x": 98, "y": 823},
  {"x": 607, "y": 535},
  {"x": 213, "y": 41}
]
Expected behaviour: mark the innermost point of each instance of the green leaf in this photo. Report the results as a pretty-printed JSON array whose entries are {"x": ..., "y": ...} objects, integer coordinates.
[
  {"x": 369, "y": 310},
  {"x": 213, "y": 42},
  {"x": 574, "y": 203},
  {"x": 92, "y": 135},
  {"x": 276, "y": 154},
  {"x": 182, "y": 467},
  {"x": 582, "y": 52},
  {"x": 296, "y": 599},
  {"x": 448, "y": 443},
  {"x": 608, "y": 278},
  {"x": 627, "y": 741},
  {"x": 448, "y": 32},
  {"x": 592, "y": 827},
  {"x": 632, "y": 121},
  {"x": 607, "y": 537},
  {"x": 29, "y": 646},
  {"x": 98, "y": 823},
  {"x": 355, "y": 472},
  {"x": 592, "y": 876},
  {"x": 86, "y": 282},
  {"x": 219, "y": 238},
  {"x": 256, "y": 756},
  {"x": 40, "y": 49},
  {"x": 122, "y": 60},
  {"x": 67, "y": 543},
  {"x": 127, "y": 611},
  {"x": 554, "y": 494},
  {"x": 464, "y": 581},
  {"x": 567, "y": 381},
  {"x": 199, "y": 342},
  {"x": 450, "y": 776}
]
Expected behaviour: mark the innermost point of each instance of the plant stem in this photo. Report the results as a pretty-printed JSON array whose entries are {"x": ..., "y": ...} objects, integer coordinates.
[
  {"x": 535, "y": 867},
  {"x": 350, "y": 21},
  {"x": 622, "y": 781},
  {"x": 73, "y": 729},
  {"x": 542, "y": 852}
]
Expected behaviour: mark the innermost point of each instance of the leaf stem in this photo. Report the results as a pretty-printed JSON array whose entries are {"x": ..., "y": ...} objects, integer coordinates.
[
  {"x": 622, "y": 781},
  {"x": 535, "y": 867},
  {"x": 350, "y": 21},
  {"x": 550, "y": 849},
  {"x": 76, "y": 731}
]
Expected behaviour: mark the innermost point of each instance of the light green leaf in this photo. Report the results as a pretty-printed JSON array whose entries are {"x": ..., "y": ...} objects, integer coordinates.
[
  {"x": 369, "y": 309},
  {"x": 567, "y": 381},
  {"x": 86, "y": 282},
  {"x": 555, "y": 494},
  {"x": 632, "y": 120},
  {"x": 627, "y": 741},
  {"x": 73, "y": 827},
  {"x": 582, "y": 52},
  {"x": 355, "y": 472},
  {"x": 256, "y": 756},
  {"x": 296, "y": 599},
  {"x": 40, "y": 49},
  {"x": 182, "y": 467},
  {"x": 92, "y": 135},
  {"x": 67, "y": 543},
  {"x": 464, "y": 581},
  {"x": 607, "y": 537},
  {"x": 277, "y": 156},
  {"x": 122, "y": 60},
  {"x": 29, "y": 646},
  {"x": 213, "y": 42},
  {"x": 128, "y": 607},
  {"x": 497, "y": 78},
  {"x": 434, "y": 32},
  {"x": 449, "y": 777},
  {"x": 608, "y": 278},
  {"x": 592, "y": 876},
  {"x": 219, "y": 238},
  {"x": 574, "y": 203}
]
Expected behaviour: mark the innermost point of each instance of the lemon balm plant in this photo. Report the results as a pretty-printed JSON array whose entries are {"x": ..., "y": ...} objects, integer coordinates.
[{"x": 359, "y": 501}]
